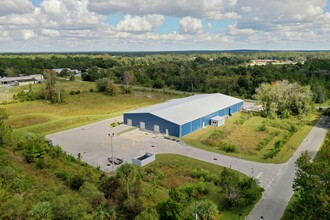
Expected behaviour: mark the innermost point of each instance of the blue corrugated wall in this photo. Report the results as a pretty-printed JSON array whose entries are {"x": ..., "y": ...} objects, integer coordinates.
[
  {"x": 151, "y": 120},
  {"x": 174, "y": 129},
  {"x": 198, "y": 123}
]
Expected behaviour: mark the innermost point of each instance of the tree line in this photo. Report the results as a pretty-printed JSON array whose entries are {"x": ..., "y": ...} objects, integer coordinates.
[{"x": 225, "y": 73}]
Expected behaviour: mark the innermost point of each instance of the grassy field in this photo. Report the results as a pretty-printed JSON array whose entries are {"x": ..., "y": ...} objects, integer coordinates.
[
  {"x": 178, "y": 169},
  {"x": 325, "y": 104},
  {"x": 44, "y": 118},
  {"x": 247, "y": 135}
]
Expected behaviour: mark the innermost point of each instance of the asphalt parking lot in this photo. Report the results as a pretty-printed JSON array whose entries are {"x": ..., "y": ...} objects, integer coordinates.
[{"x": 93, "y": 142}]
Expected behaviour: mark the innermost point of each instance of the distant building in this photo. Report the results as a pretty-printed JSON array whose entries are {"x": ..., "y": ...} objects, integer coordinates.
[
  {"x": 22, "y": 80},
  {"x": 179, "y": 117},
  {"x": 59, "y": 70}
]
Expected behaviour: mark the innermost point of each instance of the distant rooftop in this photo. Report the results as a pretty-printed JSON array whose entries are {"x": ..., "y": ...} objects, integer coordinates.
[
  {"x": 184, "y": 110},
  {"x": 59, "y": 70},
  {"x": 21, "y": 78}
]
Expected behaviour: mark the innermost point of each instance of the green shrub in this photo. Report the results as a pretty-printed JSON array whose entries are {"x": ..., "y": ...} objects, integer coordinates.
[
  {"x": 262, "y": 127},
  {"x": 278, "y": 144},
  {"x": 125, "y": 90},
  {"x": 35, "y": 147},
  {"x": 228, "y": 147},
  {"x": 63, "y": 175},
  {"x": 111, "y": 89},
  {"x": 23, "y": 96},
  {"x": 275, "y": 133},
  {"x": 205, "y": 174},
  {"x": 76, "y": 182},
  {"x": 264, "y": 142},
  {"x": 40, "y": 164},
  {"x": 56, "y": 151},
  {"x": 243, "y": 118},
  {"x": 294, "y": 128}
]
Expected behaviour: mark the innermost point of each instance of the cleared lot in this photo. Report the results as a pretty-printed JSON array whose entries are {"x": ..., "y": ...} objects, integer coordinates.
[{"x": 94, "y": 144}]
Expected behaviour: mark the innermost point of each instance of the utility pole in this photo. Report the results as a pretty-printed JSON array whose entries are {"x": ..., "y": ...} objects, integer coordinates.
[
  {"x": 195, "y": 214},
  {"x": 112, "y": 163},
  {"x": 7, "y": 92}
]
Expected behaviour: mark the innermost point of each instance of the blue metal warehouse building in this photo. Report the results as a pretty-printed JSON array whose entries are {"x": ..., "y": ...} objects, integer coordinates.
[{"x": 179, "y": 117}]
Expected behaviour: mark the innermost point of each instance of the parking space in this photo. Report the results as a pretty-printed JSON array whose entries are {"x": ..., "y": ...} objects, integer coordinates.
[
  {"x": 138, "y": 136},
  {"x": 93, "y": 142}
]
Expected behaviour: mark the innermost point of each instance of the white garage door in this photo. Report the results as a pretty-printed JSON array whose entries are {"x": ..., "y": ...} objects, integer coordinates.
[
  {"x": 142, "y": 125},
  {"x": 156, "y": 128},
  {"x": 129, "y": 122}
]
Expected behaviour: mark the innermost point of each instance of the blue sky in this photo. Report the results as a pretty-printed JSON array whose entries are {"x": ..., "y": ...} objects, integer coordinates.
[{"x": 130, "y": 25}]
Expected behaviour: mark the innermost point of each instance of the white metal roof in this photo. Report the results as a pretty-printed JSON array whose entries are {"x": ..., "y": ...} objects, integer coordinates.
[
  {"x": 19, "y": 78},
  {"x": 184, "y": 110}
]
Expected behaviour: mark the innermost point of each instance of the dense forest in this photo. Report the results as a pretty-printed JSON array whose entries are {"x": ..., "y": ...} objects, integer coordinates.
[{"x": 219, "y": 72}]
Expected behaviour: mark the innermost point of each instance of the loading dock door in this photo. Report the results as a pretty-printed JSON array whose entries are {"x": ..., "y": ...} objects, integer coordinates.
[
  {"x": 156, "y": 128},
  {"x": 129, "y": 122},
  {"x": 142, "y": 125}
]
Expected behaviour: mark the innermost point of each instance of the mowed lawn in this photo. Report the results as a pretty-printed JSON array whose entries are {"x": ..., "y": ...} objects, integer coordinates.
[
  {"x": 247, "y": 136},
  {"x": 79, "y": 109}
]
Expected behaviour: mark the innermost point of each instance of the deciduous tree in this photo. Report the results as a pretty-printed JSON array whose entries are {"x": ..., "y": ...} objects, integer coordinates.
[
  {"x": 283, "y": 98},
  {"x": 312, "y": 182},
  {"x": 128, "y": 172},
  {"x": 5, "y": 130}
]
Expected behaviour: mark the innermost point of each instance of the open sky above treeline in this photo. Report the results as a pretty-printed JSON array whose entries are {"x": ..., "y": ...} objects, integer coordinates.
[{"x": 157, "y": 25}]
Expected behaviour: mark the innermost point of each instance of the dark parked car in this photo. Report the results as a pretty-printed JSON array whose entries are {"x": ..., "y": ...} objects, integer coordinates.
[{"x": 115, "y": 160}]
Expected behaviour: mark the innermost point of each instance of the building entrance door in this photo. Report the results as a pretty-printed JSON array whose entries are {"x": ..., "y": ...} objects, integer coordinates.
[
  {"x": 142, "y": 125},
  {"x": 156, "y": 128}
]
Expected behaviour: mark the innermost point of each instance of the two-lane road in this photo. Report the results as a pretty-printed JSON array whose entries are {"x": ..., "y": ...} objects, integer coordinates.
[{"x": 276, "y": 198}]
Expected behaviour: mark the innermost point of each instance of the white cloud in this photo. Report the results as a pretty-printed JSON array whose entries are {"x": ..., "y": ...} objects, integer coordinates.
[
  {"x": 281, "y": 19},
  {"x": 140, "y": 24},
  {"x": 4, "y": 36},
  {"x": 233, "y": 30},
  {"x": 8, "y": 7},
  {"x": 190, "y": 25},
  {"x": 27, "y": 20},
  {"x": 50, "y": 32},
  {"x": 68, "y": 14},
  {"x": 211, "y": 9},
  {"x": 83, "y": 24},
  {"x": 264, "y": 14},
  {"x": 28, "y": 34}
]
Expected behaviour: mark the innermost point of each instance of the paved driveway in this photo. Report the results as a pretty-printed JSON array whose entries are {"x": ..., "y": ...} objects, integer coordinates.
[
  {"x": 93, "y": 142},
  {"x": 276, "y": 198}
]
